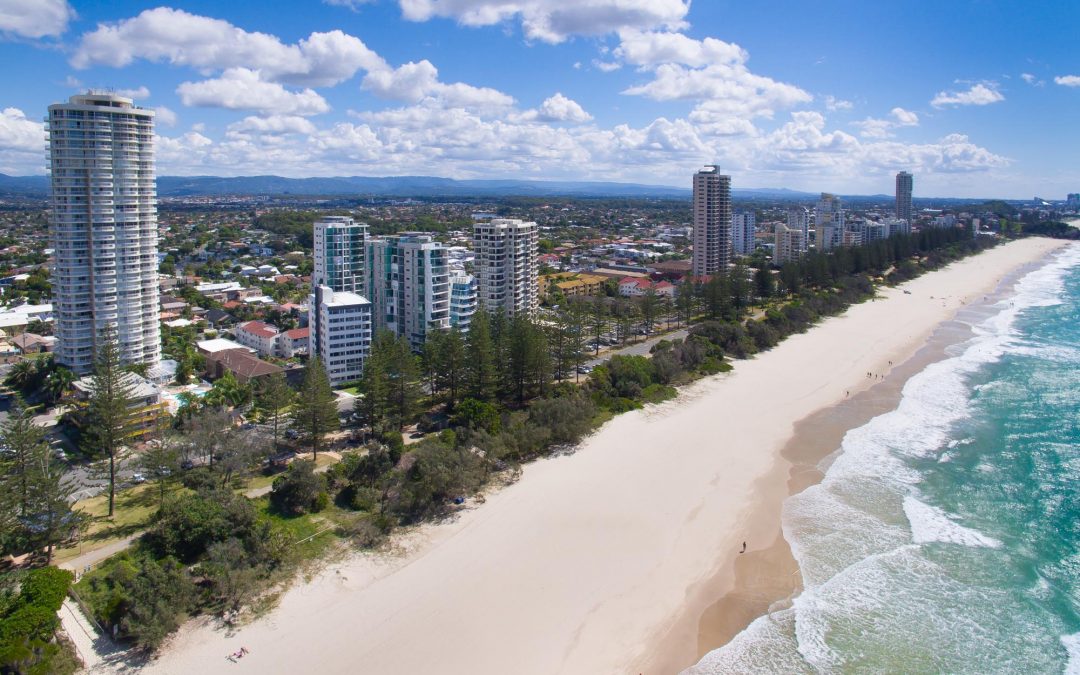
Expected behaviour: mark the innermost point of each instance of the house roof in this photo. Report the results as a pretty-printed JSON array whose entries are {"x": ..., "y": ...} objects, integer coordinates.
[
  {"x": 258, "y": 329},
  {"x": 298, "y": 333},
  {"x": 243, "y": 364}
]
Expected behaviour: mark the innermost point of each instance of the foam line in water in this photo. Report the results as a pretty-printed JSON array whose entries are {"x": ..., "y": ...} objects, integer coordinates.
[{"x": 931, "y": 524}]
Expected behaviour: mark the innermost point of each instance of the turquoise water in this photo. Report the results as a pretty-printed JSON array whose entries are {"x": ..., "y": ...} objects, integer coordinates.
[{"x": 945, "y": 537}]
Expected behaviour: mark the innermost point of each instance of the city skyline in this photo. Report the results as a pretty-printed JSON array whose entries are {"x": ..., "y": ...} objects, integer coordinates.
[{"x": 621, "y": 90}]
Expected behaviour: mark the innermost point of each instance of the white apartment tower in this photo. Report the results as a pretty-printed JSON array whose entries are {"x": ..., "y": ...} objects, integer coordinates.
[
  {"x": 410, "y": 285},
  {"x": 742, "y": 233},
  {"x": 341, "y": 318},
  {"x": 104, "y": 229},
  {"x": 790, "y": 243},
  {"x": 712, "y": 222},
  {"x": 798, "y": 218},
  {"x": 463, "y": 299},
  {"x": 829, "y": 222},
  {"x": 340, "y": 246},
  {"x": 904, "y": 184},
  {"x": 507, "y": 265}
]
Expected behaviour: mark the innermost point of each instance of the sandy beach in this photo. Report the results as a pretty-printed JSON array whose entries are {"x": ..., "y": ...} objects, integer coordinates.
[{"x": 607, "y": 559}]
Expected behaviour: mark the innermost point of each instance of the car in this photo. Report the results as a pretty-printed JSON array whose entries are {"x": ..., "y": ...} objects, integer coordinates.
[
  {"x": 187, "y": 464},
  {"x": 292, "y": 434},
  {"x": 59, "y": 454},
  {"x": 584, "y": 370},
  {"x": 138, "y": 478}
]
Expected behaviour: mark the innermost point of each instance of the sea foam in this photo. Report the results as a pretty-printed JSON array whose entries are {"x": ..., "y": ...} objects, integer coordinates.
[{"x": 931, "y": 524}]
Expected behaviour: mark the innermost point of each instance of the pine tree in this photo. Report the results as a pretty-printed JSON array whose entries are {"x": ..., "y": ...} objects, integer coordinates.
[
  {"x": 275, "y": 396},
  {"x": 20, "y": 436},
  {"x": 373, "y": 384},
  {"x": 50, "y": 498},
  {"x": 403, "y": 390},
  {"x": 481, "y": 374},
  {"x": 108, "y": 411},
  {"x": 452, "y": 365},
  {"x": 315, "y": 414}
]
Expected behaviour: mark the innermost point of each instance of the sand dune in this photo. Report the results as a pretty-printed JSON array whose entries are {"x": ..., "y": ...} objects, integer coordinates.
[{"x": 589, "y": 562}]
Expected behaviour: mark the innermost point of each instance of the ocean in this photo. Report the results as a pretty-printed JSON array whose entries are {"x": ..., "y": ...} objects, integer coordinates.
[{"x": 945, "y": 535}]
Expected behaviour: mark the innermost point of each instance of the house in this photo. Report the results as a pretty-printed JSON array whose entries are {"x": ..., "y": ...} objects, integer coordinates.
[
  {"x": 32, "y": 343},
  {"x": 145, "y": 410},
  {"x": 172, "y": 304},
  {"x": 211, "y": 347},
  {"x": 292, "y": 342},
  {"x": 219, "y": 318},
  {"x": 244, "y": 365},
  {"x": 632, "y": 287},
  {"x": 258, "y": 335}
]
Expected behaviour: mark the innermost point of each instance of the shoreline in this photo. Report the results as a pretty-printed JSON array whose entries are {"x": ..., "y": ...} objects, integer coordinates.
[
  {"x": 590, "y": 562},
  {"x": 767, "y": 579}
]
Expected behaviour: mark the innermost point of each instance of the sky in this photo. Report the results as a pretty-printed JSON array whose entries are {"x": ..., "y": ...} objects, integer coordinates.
[{"x": 977, "y": 98}]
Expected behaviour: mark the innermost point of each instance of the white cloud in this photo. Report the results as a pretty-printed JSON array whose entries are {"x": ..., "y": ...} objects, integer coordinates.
[
  {"x": 34, "y": 18},
  {"x": 558, "y": 108},
  {"x": 274, "y": 124},
  {"x": 17, "y": 132},
  {"x": 354, "y": 5},
  {"x": 181, "y": 38},
  {"x": 651, "y": 49},
  {"x": 416, "y": 81},
  {"x": 165, "y": 116},
  {"x": 882, "y": 128},
  {"x": 137, "y": 93},
  {"x": 555, "y": 20},
  {"x": 1068, "y": 80},
  {"x": 606, "y": 66},
  {"x": 243, "y": 89},
  {"x": 833, "y": 104},
  {"x": 1032, "y": 80},
  {"x": 979, "y": 94}
]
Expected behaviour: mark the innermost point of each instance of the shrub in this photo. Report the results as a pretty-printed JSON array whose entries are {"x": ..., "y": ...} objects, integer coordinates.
[{"x": 297, "y": 490}]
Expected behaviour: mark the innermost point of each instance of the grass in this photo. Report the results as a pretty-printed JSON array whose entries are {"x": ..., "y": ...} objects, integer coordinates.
[
  {"x": 134, "y": 509},
  {"x": 261, "y": 480},
  {"x": 355, "y": 391}
]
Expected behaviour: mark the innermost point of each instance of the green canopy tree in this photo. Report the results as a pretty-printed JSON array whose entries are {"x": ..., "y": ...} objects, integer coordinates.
[
  {"x": 275, "y": 396},
  {"x": 315, "y": 414},
  {"x": 481, "y": 374},
  {"x": 108, "y": 412}
]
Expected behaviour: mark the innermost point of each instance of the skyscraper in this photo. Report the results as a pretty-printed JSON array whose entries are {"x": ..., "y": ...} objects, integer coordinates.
[
  {"x": 410, "y": 285},
  {"x": 828, "y": 222},
  {"x": 340, "y": 317},
  {"x": 104, "y": 229},
  {"x": 790, "y": 243},
  {"x": 798, "y": 218},
  {"x": 742, "y": 233},
  {"x": 904, "y": 184},
  {"x": 507, "y": 265},
  {"x": 712, "y": 221}
]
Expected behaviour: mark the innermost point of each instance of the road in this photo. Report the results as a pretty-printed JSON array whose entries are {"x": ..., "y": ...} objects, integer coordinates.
[{"x": 639, "y": 349}]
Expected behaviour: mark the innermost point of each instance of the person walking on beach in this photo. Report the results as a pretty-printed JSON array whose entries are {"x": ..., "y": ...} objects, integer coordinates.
[{"x": 743, "y": 548}]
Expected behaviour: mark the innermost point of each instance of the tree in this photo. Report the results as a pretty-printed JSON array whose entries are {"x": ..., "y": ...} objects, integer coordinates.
[
  {"x": 227, "y": 391},
  {"x": 50, "y": 499},
  {"x": 481, "y": 374},
  {"x": 297, "y": 491},
  {"x": 764, "y": 283},
  {"x": 59, "y": 382},
  {"x": 315, "y": 414},
  {"x": 160, "y": 461},
  {"x": 684, "y": 302},
  {"x": 21, "y": 437},
  {"x": 452, "y": 365},
  {"x": 650, "y": 308},
  {"x": 403, "y": 391},
  {"x": 108, "y": 411},
  {"x": 373, "y": 383},
  {"x": 22, "y": 374},
  {"x": 275, "y": 396}
]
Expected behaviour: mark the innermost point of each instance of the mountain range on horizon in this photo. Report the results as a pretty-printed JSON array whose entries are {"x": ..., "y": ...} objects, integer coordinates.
[{"x": 410, "y": 186}]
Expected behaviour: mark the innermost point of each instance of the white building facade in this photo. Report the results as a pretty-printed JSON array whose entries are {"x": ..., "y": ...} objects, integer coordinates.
[
  {"x": 340, "y": 247},
  {"x": 463, "y": 300},
  {"x": 410, "y": 285},
  {"x": 104, "y": 229},
  {"x": 829, "y": 222},
  {"x": 742, "y": 233},
  {"x": 507, "y": 265},
  {"x": 712, "y": 222},
  {"x": 341, "y": 334}
]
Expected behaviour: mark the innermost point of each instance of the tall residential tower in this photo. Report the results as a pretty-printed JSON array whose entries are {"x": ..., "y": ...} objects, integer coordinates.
[
  {"x": 340, "y": 318},
  {"x": 712, "y": 221},
  {"x": 507, "y": 265},
  {"x": 904, "y": 184},
  {"x": 410, "y": 285},
  {"x": 104, "y": 229}
]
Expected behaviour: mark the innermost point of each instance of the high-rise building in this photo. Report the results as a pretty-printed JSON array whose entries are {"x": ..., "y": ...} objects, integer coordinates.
[
  {"x": 1073, "y": 199},
  {"x": 410, "y": 285},
  {"x": 904, "y": 184},
  {"x": 341, "y": 318},
  {"x": 829, "y": 222},
  {"x": 507, "y": 265},
  {"x": 340, "y": 333},
  {"x": 340, "y": 247},
  {"x": 104, "y": 229},
  {"x": 463, "y": 294},
  {"x": 790, "y": 243},
  {"x": 742, "y": 233},
  {"x": 798, "y": 218},
  {"x": 712, "y": 222}
]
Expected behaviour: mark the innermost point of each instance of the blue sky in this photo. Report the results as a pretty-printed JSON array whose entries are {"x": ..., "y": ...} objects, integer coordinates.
[{"x": 977, "y": 98}]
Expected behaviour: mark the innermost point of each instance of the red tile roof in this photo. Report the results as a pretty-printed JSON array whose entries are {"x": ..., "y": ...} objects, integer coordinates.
[
  {"x": 298, "y": 333},
  {"x": 258, "y": 329}
]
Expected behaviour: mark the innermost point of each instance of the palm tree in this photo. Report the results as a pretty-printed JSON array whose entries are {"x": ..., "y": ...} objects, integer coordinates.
[
  {"x": 59, "y": 382},
  {"x": 22, "y": 374}
]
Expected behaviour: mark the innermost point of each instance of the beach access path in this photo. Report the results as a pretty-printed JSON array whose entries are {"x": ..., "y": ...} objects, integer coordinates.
[{"x": 589, "y": 563}]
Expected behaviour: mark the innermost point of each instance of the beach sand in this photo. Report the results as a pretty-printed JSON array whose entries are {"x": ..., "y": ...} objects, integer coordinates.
[{"x": 607, "y": 560}]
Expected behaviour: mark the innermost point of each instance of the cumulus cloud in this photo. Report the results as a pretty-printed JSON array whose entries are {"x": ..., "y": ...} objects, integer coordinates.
[
  {"x": 34, "y": 18},
  {"x": 708, "y": 70},
  {"x": 414, "y": 82},
  {"x": 274, "y": 124},
  {"x": 555, "y": 20},
  {"x": 354, "y": 5},
  {"x": 137, "y": 93},
  {"x": 833, "y": 104},
  {"x": 559, "y": 108},
  {"x": 243, "y": 89},
  {"x": 882, "y": 128},
  {"x": 1068, "y": 80},
  {"x": 978, "y": 94},
  {"x": 18, "y": 132},
  {"x": 181, "y": 38},
  {"x": 165, "y": 116},
  {"x": 606, "y": 66}
]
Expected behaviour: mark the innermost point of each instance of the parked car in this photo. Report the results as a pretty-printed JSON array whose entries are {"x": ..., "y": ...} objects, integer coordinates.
[{"x": 138, "y": 478}]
